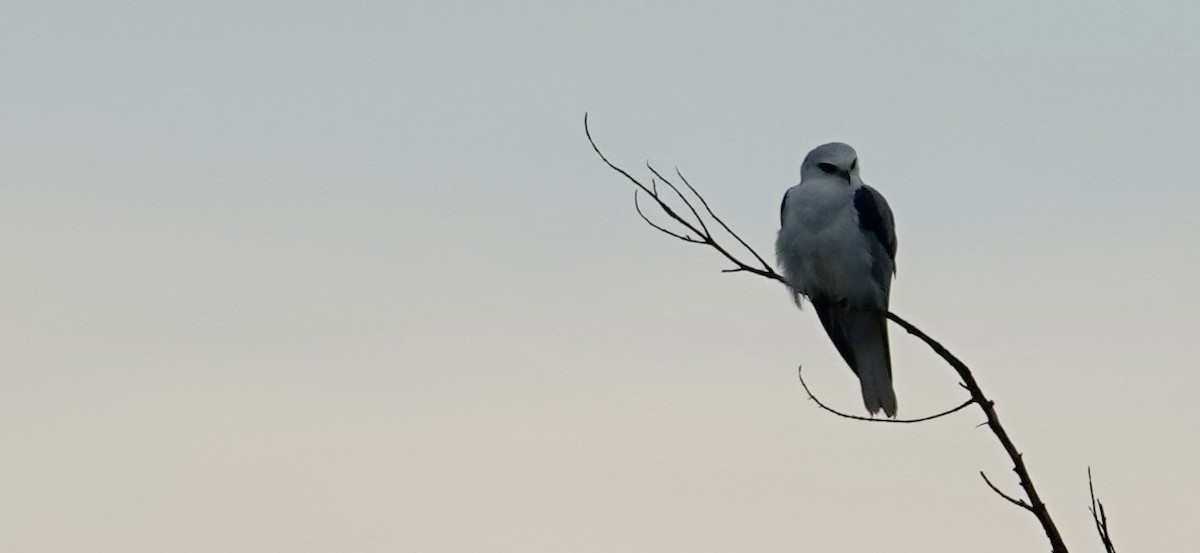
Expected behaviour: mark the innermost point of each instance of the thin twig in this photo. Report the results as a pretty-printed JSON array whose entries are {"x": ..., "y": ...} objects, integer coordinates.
[
  {"x": 800, "y": 372},
  {"x": 1018, "y": 502}
]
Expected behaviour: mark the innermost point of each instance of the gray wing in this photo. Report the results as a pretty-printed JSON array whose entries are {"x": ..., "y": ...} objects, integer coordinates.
[{"x": 783, "y": 207}]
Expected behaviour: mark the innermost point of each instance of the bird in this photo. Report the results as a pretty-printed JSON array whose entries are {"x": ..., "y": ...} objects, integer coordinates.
[{"x": 837, "y": 248}]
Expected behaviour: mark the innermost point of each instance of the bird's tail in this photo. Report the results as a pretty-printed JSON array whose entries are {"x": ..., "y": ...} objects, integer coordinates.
[
  {"x": 866, "y": 335},
  {"x": 861, "y": 337}
]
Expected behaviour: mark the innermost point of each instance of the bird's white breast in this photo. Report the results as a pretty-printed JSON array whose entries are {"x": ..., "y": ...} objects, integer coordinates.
[{"x": 820, "y": 247}]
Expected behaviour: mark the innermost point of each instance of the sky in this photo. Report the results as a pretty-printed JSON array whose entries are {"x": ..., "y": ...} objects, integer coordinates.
[{"x": 316, "y": 276}]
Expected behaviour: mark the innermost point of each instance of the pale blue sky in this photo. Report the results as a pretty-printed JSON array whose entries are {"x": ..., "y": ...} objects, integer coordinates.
[{"x": 305, "y": 276}]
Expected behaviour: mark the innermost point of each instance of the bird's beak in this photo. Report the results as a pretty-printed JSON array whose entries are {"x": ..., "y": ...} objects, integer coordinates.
[{"x": 846, "y": 175}]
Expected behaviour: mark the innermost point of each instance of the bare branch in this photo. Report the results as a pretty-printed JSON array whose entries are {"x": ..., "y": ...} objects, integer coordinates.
[
  {"x": 1037, "y": 507},
  {"x": 1018, "y": 502},
  {"x": 700, "y": 229},
  {"x": 1100, "y": 518},
  {"x": 1034, "y": 504},
  {"x": 800, "y": 372}
]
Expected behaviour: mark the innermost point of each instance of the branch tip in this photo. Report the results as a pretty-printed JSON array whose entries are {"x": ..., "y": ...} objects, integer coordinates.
[{"x": 1018, "y": 502}]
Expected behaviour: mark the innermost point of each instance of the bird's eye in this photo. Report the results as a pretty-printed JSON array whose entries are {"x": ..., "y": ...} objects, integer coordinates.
[
  {"x": 854, "y": 164},
  {"x": 827, "y": 168}
]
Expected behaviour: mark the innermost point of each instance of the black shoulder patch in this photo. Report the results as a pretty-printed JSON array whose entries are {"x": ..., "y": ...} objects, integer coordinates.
[{"x": 870, "y": 219}]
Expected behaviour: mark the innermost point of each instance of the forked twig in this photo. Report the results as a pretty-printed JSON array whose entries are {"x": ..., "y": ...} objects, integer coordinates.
[
  {"x": 1100, "y": 517},
  {"x": 699, "y": 228},
  {"x": 638, "y": 206}
]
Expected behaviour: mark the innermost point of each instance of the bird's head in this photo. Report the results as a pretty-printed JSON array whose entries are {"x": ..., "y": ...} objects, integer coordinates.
[{"x": 835, "y": 159}]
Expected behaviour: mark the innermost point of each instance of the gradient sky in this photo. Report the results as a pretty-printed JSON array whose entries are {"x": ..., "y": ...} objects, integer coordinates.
[{"x": 346, "y": 276}]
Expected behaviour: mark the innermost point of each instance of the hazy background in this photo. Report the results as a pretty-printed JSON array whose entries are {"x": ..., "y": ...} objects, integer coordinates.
[{"x": 346, "y": 276}]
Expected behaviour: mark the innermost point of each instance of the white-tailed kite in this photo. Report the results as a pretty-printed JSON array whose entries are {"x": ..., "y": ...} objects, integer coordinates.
[{"x": 837, "y": 247}]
